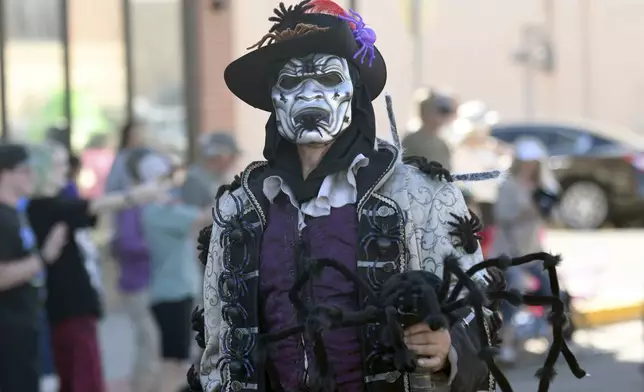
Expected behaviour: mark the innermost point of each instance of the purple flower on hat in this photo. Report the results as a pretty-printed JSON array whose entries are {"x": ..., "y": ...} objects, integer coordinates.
[{"x": 364, "y": 35}]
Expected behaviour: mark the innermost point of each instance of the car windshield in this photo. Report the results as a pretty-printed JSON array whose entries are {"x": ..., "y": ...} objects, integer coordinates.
[{"x": 566, "y": 140}]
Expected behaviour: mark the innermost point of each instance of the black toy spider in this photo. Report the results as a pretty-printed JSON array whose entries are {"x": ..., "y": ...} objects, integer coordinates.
[
  {"x": 383, "y": 235},
  {"x": 419, "y": 296},
  {"x": 236, "y": 358},
  {"x": 233, "y": 313},
  {"x": 286, "y": 16},
  {"x": 434, "y": 169},
  {"x": 235, "y": 229},
  {"x": 466, "y": 230},
  {"x": 203, "y": 244}
]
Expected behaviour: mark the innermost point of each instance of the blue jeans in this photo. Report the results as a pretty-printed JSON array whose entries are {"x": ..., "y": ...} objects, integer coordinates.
[{"x": 47, "y": 366}]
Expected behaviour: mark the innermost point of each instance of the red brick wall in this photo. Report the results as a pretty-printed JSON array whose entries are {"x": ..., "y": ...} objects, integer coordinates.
[{"x": 217, "y": 109}]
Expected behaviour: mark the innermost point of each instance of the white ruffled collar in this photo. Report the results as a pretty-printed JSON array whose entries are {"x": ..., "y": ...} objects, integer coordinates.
[{"x": 337, "y": 190}]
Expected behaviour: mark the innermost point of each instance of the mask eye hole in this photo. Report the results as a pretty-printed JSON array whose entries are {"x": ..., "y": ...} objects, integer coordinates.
[
  {"x": 329, "y": 79},
  {"x": 289, "y": 82}
]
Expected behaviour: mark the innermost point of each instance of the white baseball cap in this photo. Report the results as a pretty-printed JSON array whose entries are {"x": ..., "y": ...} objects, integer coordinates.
[{"x": 530, "y": 149}]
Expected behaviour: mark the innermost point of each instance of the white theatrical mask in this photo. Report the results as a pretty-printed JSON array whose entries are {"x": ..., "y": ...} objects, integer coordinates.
[{"x": 312, "y": 99}]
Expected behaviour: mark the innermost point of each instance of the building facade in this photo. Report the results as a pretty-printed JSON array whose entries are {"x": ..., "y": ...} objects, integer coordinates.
[{"x": 163, "y": 60}]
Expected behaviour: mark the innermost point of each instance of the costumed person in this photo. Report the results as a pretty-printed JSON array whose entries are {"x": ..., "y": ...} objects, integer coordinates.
[{"x": 333, "y": 265}]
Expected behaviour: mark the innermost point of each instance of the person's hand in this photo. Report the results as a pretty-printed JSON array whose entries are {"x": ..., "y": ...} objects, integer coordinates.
[
  {"x": 432, "y": 347},
  {"x": 54, "y": 243},
  {"x": 150, "y": 191},
  {"x": 179, "y": 176}
]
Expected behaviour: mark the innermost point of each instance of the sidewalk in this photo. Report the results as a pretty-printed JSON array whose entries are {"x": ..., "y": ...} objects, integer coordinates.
[{"x": 603, "y": 271}]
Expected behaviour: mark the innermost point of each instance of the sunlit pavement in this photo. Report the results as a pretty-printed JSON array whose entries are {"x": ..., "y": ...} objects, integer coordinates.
[
  {"x": 612, "y": 355},
  {"x": 602, "y": 266}
]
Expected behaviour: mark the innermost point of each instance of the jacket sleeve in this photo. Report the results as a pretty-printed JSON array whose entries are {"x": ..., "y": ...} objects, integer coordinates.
[
  {"x": 210, "y": 375},
  {"x": 467, "y": 372}
]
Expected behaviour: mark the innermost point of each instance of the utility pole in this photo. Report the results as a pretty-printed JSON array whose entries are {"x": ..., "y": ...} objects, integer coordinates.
[
  {"x": 586, "y": 58},
  {"x": 67, "y": 78},
  {"x": 416, "y": 18},
  {"x": 525, "y": 57},
  {"x": 4, "y": 129},
  {"x": 549, "y": 36},
  {"x": 129, "y": 60}
]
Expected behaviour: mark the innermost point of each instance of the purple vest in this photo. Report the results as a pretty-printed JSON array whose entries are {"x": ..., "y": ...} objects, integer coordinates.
[{"x": 335, "y": 237}]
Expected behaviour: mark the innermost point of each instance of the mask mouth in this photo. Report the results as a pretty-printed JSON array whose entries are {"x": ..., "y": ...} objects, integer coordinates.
[{"x": 311, "y": 118}]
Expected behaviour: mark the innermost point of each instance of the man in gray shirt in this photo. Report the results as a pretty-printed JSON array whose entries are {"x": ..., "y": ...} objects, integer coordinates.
[
  {"x": 219, "y": 152},
  {"x": 436, "y": 111}
]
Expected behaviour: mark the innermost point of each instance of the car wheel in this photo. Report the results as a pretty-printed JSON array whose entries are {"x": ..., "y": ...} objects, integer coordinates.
[{"x": 584, "y": 205}]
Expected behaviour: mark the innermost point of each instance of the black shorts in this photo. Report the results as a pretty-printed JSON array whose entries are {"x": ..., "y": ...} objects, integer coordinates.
[
  {"x": 19, "y": 361},
  {"x": 173, "y": 319}
]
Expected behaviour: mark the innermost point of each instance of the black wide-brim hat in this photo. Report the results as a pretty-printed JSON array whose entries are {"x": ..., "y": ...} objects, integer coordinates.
[{"x": 250, "y": 77}]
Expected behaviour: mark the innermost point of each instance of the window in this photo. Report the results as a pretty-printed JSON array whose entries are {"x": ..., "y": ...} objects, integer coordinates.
[
  {"x": 33, "y": 20},
  {"x": 98, "y": 93},
  {"x": 158, "y": 65},
  {"x": 34, "y": 67}
]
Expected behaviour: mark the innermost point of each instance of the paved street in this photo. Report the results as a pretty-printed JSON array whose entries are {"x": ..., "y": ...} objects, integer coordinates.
[
  {"x": 611, "y": 355},
  {"x": 601, "y": 266}
]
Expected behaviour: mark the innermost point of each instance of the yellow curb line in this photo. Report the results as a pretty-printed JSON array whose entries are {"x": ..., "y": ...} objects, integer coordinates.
[{"x": 597, "y": 317}]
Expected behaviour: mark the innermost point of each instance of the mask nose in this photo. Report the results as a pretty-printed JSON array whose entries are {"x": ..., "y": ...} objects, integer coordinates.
[{"x": 310, "y": 92}]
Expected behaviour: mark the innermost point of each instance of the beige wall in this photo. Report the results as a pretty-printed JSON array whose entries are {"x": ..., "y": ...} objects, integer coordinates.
[{"x": 470, "y": 47}]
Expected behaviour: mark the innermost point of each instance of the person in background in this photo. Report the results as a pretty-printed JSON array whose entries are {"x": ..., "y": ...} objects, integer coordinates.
[
  {"x": 436, "y": 111},
  {"x": 219, "y": 153},
  {"x": 59, "y": 134},
  {"x": 130, "y": 249},
  {"x": 169, "y": 228},
  {"x": 71, "y": 189},
  {"x": 131, "y": 140},
  {"x": 519, "y": 222},
  {"x": 73, "y": 281},
  {"x": 21, "y": 276}
]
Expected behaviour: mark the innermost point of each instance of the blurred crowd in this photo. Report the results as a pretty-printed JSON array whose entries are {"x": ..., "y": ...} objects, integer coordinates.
[{"x": 51, "y": 288}]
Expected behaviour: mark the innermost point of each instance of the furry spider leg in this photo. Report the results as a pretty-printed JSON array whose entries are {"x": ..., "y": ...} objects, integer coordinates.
[
  {"x": 220, "y": 192},
  {"x": 477, "y": 299},
  {"x": 503, "y": 262},
  {"x": 362, "y": 51},
  {"x": 203, "y": 244},
  {"x": 293, "y": 296},
  {"x": 557, "y": 318},
  {"x": 341, "y": 268},
  {"x": 198, "y": 326},
  {"x": 392, "y": 336},
  {"x": 475, "y": 295},
  {"x": 322, "y": 378},
  {"x": 443, "y": 290},
  {"x": 194, "y": 382}
]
